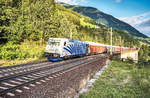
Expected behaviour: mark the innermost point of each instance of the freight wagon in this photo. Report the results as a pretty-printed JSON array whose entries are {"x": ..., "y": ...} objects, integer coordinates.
[
  {"x": 96, "y": 48},
  {"x": 62, "y": 48}
]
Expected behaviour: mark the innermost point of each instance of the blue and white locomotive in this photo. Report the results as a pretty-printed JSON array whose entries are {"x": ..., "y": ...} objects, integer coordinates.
[
  {"x": 62, "y": 48},
  {"x": 58, "y": 49}
]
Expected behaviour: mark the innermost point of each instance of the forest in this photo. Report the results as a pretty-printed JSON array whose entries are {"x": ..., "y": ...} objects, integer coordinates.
[{"x": 26, "y": 25}]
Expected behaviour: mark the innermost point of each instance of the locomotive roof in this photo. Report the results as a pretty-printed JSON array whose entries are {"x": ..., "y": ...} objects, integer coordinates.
[
  {"x": 93, "y": 43},
  {"x": 59, "y": 38}
]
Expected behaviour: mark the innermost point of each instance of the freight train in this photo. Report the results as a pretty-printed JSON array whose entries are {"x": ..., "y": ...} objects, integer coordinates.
[{"x": 58, "y": 49}]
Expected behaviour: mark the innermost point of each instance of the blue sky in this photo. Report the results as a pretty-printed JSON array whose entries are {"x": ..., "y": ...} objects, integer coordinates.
[
  {"x": 120, "y": 8},
  {"x": 133, "y": 12}
]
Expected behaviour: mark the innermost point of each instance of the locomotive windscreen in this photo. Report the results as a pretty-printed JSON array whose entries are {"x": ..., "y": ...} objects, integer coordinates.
[{"x": 54, "y": 43}]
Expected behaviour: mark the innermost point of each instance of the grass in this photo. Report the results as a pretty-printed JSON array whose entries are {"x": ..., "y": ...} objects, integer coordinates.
[
  {"x": 121, "y": 80},
  {"x": 4, "y": 63},
  {"x": 25, "y": 52},
  {"x": 83, "y": 23}
]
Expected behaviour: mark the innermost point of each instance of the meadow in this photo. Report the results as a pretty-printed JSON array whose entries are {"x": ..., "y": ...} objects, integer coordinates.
[{"x": 122, "y": 80}]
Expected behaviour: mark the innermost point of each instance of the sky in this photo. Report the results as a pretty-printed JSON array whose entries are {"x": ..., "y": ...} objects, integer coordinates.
[{"x": 133, "y": 12}]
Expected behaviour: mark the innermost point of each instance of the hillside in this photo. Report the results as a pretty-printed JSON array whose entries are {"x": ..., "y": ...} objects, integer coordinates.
[
  {"x": 104, "y": 19},
  {"x": 40, "y": 20},
  {"x": 89, "y": 29}
]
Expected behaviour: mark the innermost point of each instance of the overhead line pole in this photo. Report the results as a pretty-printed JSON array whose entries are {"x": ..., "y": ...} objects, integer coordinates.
[
  {"x": 120, "y": 44},
  {"x": 71, "y": 34},
  {"x": 22, "y": 9},
  {"x": 111, "y": 41}
]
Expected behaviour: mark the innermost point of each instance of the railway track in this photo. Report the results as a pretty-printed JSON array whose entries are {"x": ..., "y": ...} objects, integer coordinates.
[{"x": 14, "y": 78}]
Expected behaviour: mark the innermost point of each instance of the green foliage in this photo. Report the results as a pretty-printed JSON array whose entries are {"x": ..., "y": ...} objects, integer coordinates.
[
  {"x": 141, "y": 79},
  {"x": 121, "y": 80},
  {"x": 145, "y": 40},
  {"x": 12, "y": 51},
  {"x": 83, "y": 23},
  {"x": 37, "y": 20},
  {"x": 144, "y": 53},
  {"x": 24, "y": 19}
]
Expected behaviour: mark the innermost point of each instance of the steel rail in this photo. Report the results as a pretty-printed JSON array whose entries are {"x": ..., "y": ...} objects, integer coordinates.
[
  {"x": 62, "y": 68},
  {"x": 34, "y": 71}
]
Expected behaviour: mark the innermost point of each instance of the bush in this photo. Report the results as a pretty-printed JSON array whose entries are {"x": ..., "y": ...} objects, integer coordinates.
[
  {"x": 12, "y": 51},
  {"x": 130, "y": 61},
  {"x": 141, "y": 64},
  {"x": 141, "y": 79},
  {"x": 9, "y": 52}
]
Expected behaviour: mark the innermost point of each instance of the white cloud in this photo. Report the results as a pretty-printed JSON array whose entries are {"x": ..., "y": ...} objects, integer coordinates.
[
  {"x": 135, "y": 20},
  {"x": 75, "y": 2},
  {"x": 131, "y": 20},
  {"x": 72, "y": 2}
]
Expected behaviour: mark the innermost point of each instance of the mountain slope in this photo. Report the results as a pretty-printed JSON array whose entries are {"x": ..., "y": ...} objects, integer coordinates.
[
  {"x": 104, "y": 19},
  {"x": 88, "y": 30}
]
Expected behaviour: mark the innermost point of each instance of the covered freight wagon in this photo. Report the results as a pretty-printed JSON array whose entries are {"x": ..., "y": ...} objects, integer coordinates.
[{"x": 95, "y": 48}]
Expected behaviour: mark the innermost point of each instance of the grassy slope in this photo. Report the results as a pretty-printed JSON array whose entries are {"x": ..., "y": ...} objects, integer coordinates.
[
  {"x": 121, "y": 80},
  {"x": 85, "y": 30},
  {"x": 29, "y": 51}
]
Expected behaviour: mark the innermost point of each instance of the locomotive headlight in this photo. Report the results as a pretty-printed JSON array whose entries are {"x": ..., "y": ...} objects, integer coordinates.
[
  {"x": 55, "y": 55},
  {"x": 47, "y": 48}
]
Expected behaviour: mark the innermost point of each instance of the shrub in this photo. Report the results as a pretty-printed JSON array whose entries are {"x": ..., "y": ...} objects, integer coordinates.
[
  {"x": 12, "y": 51},
  {"x": 9, "y": 52},
  {"x": 130, "y": 60}
]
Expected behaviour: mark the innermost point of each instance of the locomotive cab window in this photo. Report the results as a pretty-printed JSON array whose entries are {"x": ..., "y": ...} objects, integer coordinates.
[{"x": 54, "y": 43}]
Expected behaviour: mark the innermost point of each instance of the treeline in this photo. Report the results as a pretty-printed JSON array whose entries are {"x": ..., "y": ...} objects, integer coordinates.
[
  {"x": 37, "y": 20},
  {"x": 27, "y": 19},
  {"x": 144, "y": 53}
]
